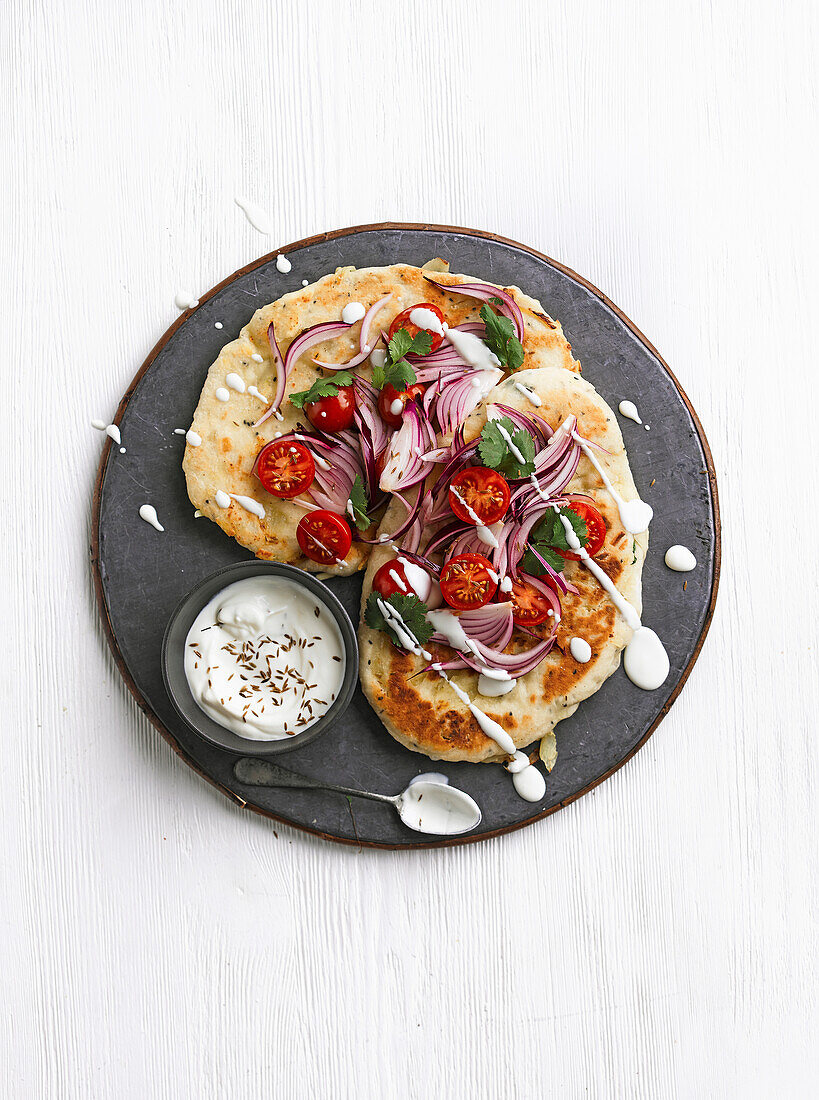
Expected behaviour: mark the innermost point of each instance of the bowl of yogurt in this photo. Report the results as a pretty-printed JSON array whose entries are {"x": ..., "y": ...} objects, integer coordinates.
[{"x": 260, "y": 658}]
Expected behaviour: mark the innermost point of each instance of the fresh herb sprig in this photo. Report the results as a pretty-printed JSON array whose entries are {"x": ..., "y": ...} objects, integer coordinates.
[
  {"x": 397, "y": 372},
  {"x": 359, "y": 504},
  {"x": 495, "y": 451},
  {"x": 499, "y": 337},
  {"x": 322, "y": 387},
  {"x": 549, "y": 536},
  {"x": 413, "y": 613}
]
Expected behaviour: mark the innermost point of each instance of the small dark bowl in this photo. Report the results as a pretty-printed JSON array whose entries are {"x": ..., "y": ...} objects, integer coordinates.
[{"x": 173, "y": 658}]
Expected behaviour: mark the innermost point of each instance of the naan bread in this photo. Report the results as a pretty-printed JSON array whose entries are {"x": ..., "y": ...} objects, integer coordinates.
[
  {"x": 230, "y": 443},
  {"x": 421, "y": 711}
]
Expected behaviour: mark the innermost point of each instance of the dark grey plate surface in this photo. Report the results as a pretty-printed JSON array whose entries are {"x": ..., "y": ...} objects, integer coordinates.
[{"x": 141, "y": 575}]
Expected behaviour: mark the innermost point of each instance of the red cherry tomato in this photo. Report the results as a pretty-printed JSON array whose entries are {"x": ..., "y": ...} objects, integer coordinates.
[
  {"x": 595, "y": 525},
  {"x": 466, "y": 582},
  {"x": 391, "y": 578},
  {"x": 285, "y": 468},
  {"x": 335, "y": 413},
  {"x": 480, "y": 492},
  {"x": 324, "y": 537},
  {"x": 530, "y": 607},
  {"x": 390, "y": 398},
  {"x": 403, "y": 321}
]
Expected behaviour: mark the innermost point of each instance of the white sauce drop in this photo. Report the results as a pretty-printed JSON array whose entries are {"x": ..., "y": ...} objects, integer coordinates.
[
  {"x": 629, "y": 410},
  {"x": 530, "y": 395},
  {"x": 304, "y": 282},
  {"x": 645, "y": 659},
  {"x": 98, "y": 424},
  {"x": 490, "y": 687},
  {"x": 417, "y": 578},
  {"x": 222, "y": 499},
  {"x": 528, "y": 780},
  {"x": 249, "y": 504},
  {"x": 378, "y": 357},
  {"x": 185, "y": 300},
  {"x": 179, "y": 431},
  {"x": 254, "y": 213},
  {"x": 506, "y": 584},
  {"x": 397, "y": 407},
  {"x": 425, "y": 318},
  {"x": 352, "y": 312},
  {"x": 255, "y": 393},
  {"x": 257, "y": 358},
  {"x": 472, "y": 349},
  {"x": 193, "y": 439},
  {"x": 218, "y": 324},
  {"x": 271, "y": 624},
  {"x": 580, "y": 650},
  {"x": 148, "y": 513},
  {"x": 235, "y": 382},
  {"x": 635, "y": 515},
  {"x": 283, "y": 264},
  {"x": 222, "y": 394},
  {"x": 680, "y": 559},
  {"x": 113, "y": 431}
]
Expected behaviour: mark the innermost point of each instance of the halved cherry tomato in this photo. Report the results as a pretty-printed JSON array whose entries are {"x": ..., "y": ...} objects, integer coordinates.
[
  {"x": 403, "y": 321},
  {"x": 480, "y": 492},
  {"x": 390, "y": 399},
  {"x": 285, "y": 468},
  {"x": 334, "y": 413},
  {"x": 324, "y": 537},
  {"x": 595, "y": 525},
  {"x": 466, "y": 582},
  {"x": 391, "y": 578},
  {"x": 530, "y": 607}
]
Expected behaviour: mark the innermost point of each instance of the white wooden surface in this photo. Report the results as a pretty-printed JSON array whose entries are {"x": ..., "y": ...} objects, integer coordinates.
[{"x": 658, "y": 938}]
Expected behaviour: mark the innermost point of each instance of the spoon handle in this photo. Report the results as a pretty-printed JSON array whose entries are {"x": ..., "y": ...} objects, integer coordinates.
[{"x": 262, "y": 773}]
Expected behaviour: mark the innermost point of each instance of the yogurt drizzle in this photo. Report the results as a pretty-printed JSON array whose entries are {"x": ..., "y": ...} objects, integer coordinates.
[
  {"x": 148, "y": 513},
  {"x": 680, "y": 559}
]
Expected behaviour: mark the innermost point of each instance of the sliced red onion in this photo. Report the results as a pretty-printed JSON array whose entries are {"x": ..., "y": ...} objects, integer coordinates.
[
  {"x": 364, "y": 345},
  {"x": 516, "y": 664},
  {"x": 536, "y": 426},
  {"x": 456, "y": 400},
  {"x": 483, "y": 292},
  {"x": 281, "y": 377},
  {"x": 405, "y": 467},
  {"x": 305, "y": 340},
  {"x": 491, "y": 624}
]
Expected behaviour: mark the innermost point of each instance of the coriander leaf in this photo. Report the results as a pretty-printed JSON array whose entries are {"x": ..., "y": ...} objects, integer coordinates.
[
  {"x": 532, "y": 564},
  {"x": 403, "y": 344},
  {"x": 397, "y": 372},
  {"x": 399, "y": 375},
  {"x": 411, "y": 610},
  {"x": 551, "y": 531},
  {"x": 322, "y": 387},
  {"x": 495, "y": 450},
  {"x": 499, "y": 337},
  {"x": 549, "y": 536},
  {"x": 359, "y": 504}
]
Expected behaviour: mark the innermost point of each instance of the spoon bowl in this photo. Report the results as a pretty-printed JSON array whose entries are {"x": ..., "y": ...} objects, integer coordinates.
[{"x": 428, "y": 805}]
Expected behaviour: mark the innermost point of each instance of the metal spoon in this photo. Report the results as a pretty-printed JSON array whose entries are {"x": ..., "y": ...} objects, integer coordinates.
[{"x": 428, "y": 805}]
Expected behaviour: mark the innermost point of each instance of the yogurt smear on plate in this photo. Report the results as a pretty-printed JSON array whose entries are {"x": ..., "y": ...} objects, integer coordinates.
[{"x": 265, "y": 658}]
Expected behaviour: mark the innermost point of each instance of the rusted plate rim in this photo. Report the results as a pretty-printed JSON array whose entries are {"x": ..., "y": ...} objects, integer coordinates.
[{"x": 334, "y": 235}]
